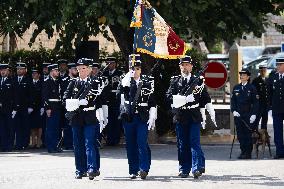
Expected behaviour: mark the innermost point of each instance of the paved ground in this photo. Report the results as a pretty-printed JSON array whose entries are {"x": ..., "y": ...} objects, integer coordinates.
[{"x": 38, "y": 169}]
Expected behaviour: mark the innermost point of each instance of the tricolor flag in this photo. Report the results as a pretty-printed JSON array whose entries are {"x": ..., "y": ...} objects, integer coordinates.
[{"x": 153, "y": 35}]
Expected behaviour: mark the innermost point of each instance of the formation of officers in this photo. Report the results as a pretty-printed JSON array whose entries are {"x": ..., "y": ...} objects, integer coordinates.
[
  {"x": 76, "y": 101},
  {"x": 252, "y": 102},
  {"x": 31, "y": 109}
]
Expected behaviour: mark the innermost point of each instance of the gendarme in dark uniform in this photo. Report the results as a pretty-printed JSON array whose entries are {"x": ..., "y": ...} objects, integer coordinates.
[
  {"x": 187, "y": 118},
  {"x": 261, "y": 84},
  {"x": 113, "y": 129},
  {"x": 6, "y": 108},
  {"x": 139, "y": 113},
  {"x": 87, "y": 121},
  {"x": 21, "y": 105},
  {"x": 51, "y": 95},
  {"x": 276, "y": 101},
  {"x": 244, "y": 106}
]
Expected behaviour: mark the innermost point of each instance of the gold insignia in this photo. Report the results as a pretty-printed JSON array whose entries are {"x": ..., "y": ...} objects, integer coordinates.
[{"x": 76, "y": 89}]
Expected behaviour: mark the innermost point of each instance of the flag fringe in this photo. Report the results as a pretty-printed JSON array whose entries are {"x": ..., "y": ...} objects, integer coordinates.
[{"x": 141, "y": 50}]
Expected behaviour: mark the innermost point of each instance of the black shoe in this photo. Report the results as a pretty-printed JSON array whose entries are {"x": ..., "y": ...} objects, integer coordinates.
[
  {"x": 78, "y": 176},
  {"x": 92, "y": 175},
  {"x": 133, "y": 176},
  {"x": 183, "y": 175},
  {"x": 196, "y": 174},
  {"x": 202, "y": 170},
  {"x": 143, "y": 174}
]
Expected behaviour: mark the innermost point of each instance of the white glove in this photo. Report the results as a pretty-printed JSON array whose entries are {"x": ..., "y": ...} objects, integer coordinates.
[
  {"x": 236, "y": 114},
  {"x": 41, "y": 111},
  {"x": 270, "y": 113},
  {"x": 252, "y": 118},
  {"x": 13, "y": 114},
  {"x": 100, "y": 117},
  {"x": 152, "y": 118},
  {"x": 203, "y": 123},
  {"x": 125, "y": 82},
  {"x": 190, "y": 98},
  {"x": 211, "y": 111},
  {"x": 30, "y": 110},
  {"x": 83, "y": 102},
  {"x": 105, "y": 114}
]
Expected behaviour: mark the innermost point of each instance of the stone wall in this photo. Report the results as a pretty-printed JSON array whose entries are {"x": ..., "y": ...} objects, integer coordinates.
[
  {"x": 270, "y": 37},
  {"x": 22, "y": 43}
]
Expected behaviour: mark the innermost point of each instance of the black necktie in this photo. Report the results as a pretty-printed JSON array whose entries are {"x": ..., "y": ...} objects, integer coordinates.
[
  {"x": 2, "y": 81},
  {"x": 19, "y": 79}
]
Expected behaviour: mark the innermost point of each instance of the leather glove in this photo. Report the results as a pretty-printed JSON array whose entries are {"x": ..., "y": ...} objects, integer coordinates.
[
  {"x": 83, "y": 102},
  {"x": 41, "y": 111},
  {"x": 30, "y": 110},
  {"x": 203, "y": 123},
  {"x": 236, "y": 114},
  {"x": 211, "y": 111},
  {"x": 189, "y": 98},
  {"x": 100, "y": 117},
  {"x": 14, "y": 114},
  {"x": 252, "y": 118},
  {"x": 152, "y": 118},
  {"x": 105, "y": 114}
]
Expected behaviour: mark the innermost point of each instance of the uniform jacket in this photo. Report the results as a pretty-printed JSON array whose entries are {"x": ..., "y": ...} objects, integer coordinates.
[
  {"x": 244, "y": 100},
  {"x": 145, "y": 100},
  {"x": 35, "y": 95},
  {"x": 182, "y": 114},
  {"x": 94, "y": 100},
  {"x": 262, "y": 91},
  {"x": 6, "y": 96},
  {"x": 110, "y": 91},
  {"x": 22, "y": 93},
  {"x": 276, "y": 93},
  {"x": 51, "y": 89}
]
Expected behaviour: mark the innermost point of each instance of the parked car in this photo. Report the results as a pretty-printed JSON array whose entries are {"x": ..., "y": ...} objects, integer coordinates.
[
  {"x": 271, "y": 49},
  {"x": 254, "y": 65},
  {"x": 251, "y": 53}
]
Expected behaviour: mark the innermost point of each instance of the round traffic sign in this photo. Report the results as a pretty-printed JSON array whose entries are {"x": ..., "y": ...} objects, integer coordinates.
[{"x": 215, "y": 75}]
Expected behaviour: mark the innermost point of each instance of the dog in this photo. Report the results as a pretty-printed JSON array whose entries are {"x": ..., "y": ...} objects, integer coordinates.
[{"x": 261, "y": 137}]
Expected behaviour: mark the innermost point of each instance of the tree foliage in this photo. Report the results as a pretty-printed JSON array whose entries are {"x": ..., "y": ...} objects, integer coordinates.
[{"x": 76, "y": 20}]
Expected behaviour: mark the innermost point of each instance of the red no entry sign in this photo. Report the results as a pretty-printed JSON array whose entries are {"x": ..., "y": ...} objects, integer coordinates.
[{"x": 215, "y": 75}]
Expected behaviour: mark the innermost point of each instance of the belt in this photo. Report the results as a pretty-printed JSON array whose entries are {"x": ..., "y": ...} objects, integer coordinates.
[
  {"x": 114, "y": 91},
  {"x": 54, "y": 100},
  {"x": 190, "y": 107},
  {"x": 88, "y": 109},
  {"x": 139, "y": 104}
]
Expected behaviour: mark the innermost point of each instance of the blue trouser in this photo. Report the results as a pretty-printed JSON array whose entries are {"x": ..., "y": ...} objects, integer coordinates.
[
  {"x": 278, "y": 132},
  {"x": 22, "y": 129},
  {"x": 52, "y": 134},
  {"x": 244, "y": 134},
  {"x": 183, "y": 133},
  {"x": 198, "y": 159},
  {"x": 6, "y": 132},
  {"x": 87, "y": 156},
  {"x": 137, "y": 147},
  {"x": 263, "y": 115},
  {"x": 113, "y": 128}
]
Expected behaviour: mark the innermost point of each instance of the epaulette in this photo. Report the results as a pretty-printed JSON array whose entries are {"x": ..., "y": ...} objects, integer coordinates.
[
  {"x": 175, "y": 76},
  {"x": 65, "y": 78}
]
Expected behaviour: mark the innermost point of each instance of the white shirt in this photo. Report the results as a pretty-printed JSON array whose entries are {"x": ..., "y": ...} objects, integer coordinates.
[
  {"x": 20, "y": 78},
  {"x": 244, "y": 84},
  {"x": 280, "y": 76},
  {"x": 137, "y": 81},
  {"x": 187, "y": 77},
  {"x": 35, "y": 81}
]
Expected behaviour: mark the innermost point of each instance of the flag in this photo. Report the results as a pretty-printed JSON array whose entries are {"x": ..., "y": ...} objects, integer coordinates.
[{"x": 153, "y": 35}]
